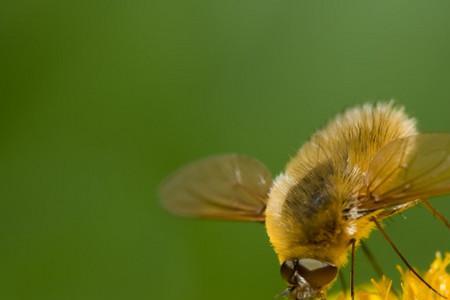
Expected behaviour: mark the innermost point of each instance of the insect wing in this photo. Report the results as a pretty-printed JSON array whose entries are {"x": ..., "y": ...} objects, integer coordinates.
[
  {"x": 406, "y": 170},
  {"x": 231, "y": 187}
]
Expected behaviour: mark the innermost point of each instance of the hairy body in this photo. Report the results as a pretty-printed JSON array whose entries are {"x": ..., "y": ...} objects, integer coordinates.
[
  {"x": 310, "y": 210},
  {"x": 367, "y": 164}
]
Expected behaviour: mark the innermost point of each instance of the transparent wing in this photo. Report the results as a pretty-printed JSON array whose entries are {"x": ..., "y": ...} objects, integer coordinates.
[
  {"x": 406, "y": 170},
  {"x": 232, "y": 187}
]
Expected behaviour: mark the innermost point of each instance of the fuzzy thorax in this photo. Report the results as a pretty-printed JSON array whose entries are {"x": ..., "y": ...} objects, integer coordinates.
[{"x": 311, "y": 210}]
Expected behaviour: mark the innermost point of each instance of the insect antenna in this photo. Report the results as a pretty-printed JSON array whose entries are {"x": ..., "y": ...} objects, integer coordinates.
[
  {"x": 343, "y": 283},
  {"x": 397, "y": 251},
  {"x": 435, "y": 213},
  {"x": 352, "y": 271}
]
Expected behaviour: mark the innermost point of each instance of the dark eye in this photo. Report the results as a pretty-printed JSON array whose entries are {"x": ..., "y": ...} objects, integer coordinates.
[
  {"x": 316, "y": 273},
  {"x": 287, "y": 270}
]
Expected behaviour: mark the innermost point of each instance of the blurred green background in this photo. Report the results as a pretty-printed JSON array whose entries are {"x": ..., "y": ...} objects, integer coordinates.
[{"x": 100, "y": 100}]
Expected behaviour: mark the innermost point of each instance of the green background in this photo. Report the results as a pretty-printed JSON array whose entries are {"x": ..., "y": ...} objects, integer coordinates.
[{"x": 100, "y": 100}]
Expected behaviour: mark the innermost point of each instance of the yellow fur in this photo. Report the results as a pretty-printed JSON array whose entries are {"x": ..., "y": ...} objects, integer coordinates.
[{"x": 330, "y": 170}]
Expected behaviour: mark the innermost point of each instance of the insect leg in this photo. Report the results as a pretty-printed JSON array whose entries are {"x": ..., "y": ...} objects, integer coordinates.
[
  {"x": 343, "y": 283},
  {"x": 352, "y": 271},
  {"x": 375, "y": 265},
  {"x": 388, "y": 239},
  {"x": 435, "y": 213}
]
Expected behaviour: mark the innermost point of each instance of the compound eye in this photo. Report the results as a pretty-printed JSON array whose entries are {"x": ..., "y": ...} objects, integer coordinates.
[
  {"x": 287, "y": 270},
  {"x": 318, "y": 274}
]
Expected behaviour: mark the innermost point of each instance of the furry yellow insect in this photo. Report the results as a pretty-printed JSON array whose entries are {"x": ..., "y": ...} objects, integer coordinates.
[{"x": 367, "y": 164}]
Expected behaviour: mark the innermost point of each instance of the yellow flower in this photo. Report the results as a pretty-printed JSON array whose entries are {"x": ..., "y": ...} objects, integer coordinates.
[{"x": 412, "y": 288}]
